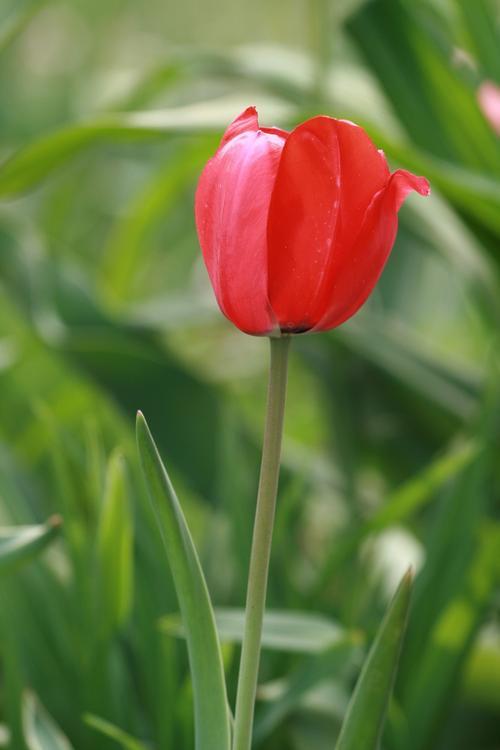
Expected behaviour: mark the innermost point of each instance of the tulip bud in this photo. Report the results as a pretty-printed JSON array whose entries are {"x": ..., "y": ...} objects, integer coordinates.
[{"x": 295, "y": 228}]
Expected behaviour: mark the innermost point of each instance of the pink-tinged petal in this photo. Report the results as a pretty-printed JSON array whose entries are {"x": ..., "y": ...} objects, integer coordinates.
[
  {"x": 355, "y": 274},
  {"x": 248, "y": 121},
  {"x": 231, "y": 207},
  {"x": 302, "y": 221},
  {"x": 329, "y": 172},
  {"x": 488, "y": 97}
]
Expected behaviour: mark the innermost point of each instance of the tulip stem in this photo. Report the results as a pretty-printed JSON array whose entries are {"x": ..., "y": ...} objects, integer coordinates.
[{"x": 261, "y": 544}]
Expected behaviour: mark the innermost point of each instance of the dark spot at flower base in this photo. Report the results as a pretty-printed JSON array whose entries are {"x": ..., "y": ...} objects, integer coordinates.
[{"x": 291, "y": 330}]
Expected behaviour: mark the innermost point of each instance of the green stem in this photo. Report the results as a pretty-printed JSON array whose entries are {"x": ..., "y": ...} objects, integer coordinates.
[{"x": 261, "y": 544}]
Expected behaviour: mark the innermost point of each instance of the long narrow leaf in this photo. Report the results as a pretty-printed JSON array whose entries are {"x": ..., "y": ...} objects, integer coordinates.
[
  {"x": 25, "y": 169},
  {"x": 18, "y": 545},
  {"x": 114, "y": 549},
  {"x": 363, "y": 724},
  {"x": 110, "y": 730},
  {"x": 327, "y": 665},
  {"x": 212, "y": 723},
  {"x": 292, "y": 632},
  {"x": 40, "y": 730}
]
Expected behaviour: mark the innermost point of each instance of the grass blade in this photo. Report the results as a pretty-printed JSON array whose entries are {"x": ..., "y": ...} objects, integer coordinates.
[
  {"x": 114, "y": 549},
  {"x": 309, "y": 674},
  {"x": 110, "y": 730},
  {"x": 364, "y": 721},
  {"x": 40, "y": 730},
  {"x": 19, "y": 545},
  {"x": 212, "y": 723},
  {"x": 291, "y": 632}
]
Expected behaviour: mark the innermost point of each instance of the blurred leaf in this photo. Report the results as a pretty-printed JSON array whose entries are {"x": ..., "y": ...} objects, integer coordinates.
[
  {"x": 234, "y": 65},
  {"x": 330, "y": 664},
  {"x": 405, "y": 500},
  {"x": 458, "y": 516},
  {"x": 124, "y": 254},
  {"x": 481, "y": 683},
  {"x": 132, "y": 366},
  {"x": 480, "y": 27},
  {"x": 364, "y": 721},
  {"x": 401, "y": 504},
  {"x": 446, "y": 230},
  {"x": 453, "y": 585},
  {"x": 114, "y": 733},
  {"x": 210, "y": 699},
  {"x": 475, "y": 193},
  {"x": 443, "y": 654},
  {"x": 20, "y": 544},
  {"x": 386, "y": 343},
  {"x": 18, "y": 21},
  {"x": 40, "y": 730},
  {"x": 32, "y": 164},
  {"x": 401, "y": 47},
  {"x": 115, "y": 549},
  {"x": 302, "y": 632}
]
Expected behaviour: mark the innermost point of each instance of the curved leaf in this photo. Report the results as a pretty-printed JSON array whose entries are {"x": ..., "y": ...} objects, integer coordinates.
[
  {"x": 110, "y": 730},
  {"x": 212, "y": 723},
  {"x": 114, "y": 549},
  {"x": 364, "y": 721},
  {"x": 19, "y": 544},
  {"x": 29, "y": 166},
  {"x": 40, "y": 730},
  {"x": 300, "y": 632}
]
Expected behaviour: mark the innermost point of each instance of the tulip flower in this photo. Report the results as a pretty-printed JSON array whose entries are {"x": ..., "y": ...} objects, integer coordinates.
[
  {"x": 488, "y": 97},
  {"x": 295, "y": 228}
]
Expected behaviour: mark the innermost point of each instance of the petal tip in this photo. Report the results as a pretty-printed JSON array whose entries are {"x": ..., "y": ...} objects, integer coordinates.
[
  {"x": 422, "y": 186},
  {"x": 402, "y": 183},
  {"x": 246, "y": 121}
]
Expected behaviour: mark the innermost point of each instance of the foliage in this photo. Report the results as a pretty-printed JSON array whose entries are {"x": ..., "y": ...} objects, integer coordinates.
[{"x": 392, "y": 423}]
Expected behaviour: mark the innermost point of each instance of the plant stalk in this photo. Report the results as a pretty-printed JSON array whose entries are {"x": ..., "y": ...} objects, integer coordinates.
[{"x": 261, "y": 544}]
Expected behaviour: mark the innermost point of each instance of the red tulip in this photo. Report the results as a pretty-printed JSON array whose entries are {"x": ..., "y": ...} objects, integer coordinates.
[{"x": 295, "y": 228}]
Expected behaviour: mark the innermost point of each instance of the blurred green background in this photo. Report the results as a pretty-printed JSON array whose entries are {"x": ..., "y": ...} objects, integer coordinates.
[{"x": 109, "y": 110}]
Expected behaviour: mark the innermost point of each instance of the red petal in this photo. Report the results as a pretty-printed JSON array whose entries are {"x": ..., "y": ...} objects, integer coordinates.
[
  {"x": 364, "y": 173},
  {"x": 403, "y": 182},
  {"x": 354, "y": 274},
  {"x": 302, "y": 220},
  {"x": 248, "y": 121},
  {"x": 232, "y": 202},
  {"x": 276, "y": 131},
  {"x": 328, "y": 174}
]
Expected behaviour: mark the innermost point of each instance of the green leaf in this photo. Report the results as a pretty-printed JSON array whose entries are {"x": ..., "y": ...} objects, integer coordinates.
[
  {"x": 125, "y": 251},
  {"x": 300, "y": 632},
  {"x": 328, "y": 664},
  {"x": 115, "y": 548},
  {"x": 401, "y": 504},
  {"x": 212, "y": 723},
  {"x": 364, "y": 721},
  {"x": 392, "y": 347},
  {"x": 40, "y": 730},
  {"x": 442, "y": 655},
  {"x": 19, "y": 544},
  {"x": 17, "y": 22},
  {"x": 113, "y": 732},
  {"x": 480, "y": 27},
  {"x": 27, "y": 168}
]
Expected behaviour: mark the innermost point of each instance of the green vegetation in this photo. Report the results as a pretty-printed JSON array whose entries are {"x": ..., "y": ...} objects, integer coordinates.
[{"x": 390, "y": 456}]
